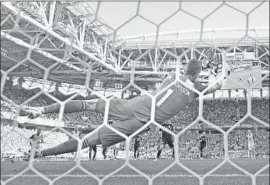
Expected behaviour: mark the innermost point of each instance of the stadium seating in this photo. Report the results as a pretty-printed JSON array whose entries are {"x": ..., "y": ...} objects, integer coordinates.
[
  {"x": 226, "y": 109},
  {"x": 219, "y": 112}
]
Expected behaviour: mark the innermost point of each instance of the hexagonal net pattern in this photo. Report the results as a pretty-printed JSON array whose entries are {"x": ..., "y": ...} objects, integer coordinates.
[{"x": 47, "y": 44}]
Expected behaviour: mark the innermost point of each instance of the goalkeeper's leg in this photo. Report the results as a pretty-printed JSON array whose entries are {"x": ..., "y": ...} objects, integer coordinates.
[
  {"x": 118, "y": 109},
  {"x": 104, "y": 136},
  {"x": 76, "y": 105}
]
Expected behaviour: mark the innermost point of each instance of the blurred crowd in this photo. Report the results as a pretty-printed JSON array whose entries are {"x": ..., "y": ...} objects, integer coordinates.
[{"x": 218, "y": 111}]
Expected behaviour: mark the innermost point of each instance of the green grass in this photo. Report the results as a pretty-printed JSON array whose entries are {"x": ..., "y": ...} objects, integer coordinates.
[{"x": 226, "y": 175}]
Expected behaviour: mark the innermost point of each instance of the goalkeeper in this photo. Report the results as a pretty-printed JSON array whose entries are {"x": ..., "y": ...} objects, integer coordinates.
[{"x": 131, "y": 115}]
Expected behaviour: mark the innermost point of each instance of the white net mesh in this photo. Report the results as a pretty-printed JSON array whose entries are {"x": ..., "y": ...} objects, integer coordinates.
[{"x": 53, "y": 47}]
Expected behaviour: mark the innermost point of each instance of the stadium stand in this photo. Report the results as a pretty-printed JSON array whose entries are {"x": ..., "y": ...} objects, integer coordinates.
[{"x": 225, "y": 108}]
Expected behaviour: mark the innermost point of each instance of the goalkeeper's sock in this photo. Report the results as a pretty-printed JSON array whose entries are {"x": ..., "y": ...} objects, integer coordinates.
[{"x": 66, "y": 147}]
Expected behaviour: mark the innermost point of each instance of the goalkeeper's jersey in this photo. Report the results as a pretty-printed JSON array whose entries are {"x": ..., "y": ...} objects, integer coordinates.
[{"x": 168, "y": 103}]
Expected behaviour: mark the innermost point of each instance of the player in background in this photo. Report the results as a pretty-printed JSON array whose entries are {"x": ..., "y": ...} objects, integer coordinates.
[
  {"x": 251, "y": 145},
  {"x": 166, "y": 138},
  {"x": 137, "y": 142},
  {"x": 251, "y": 79},
  {"x": 104, "y": 152},
  {"x": 123, "y": 145},
  {"x": 36, "y": 140},
  {"x": 118, "y": 147},
  {"x": 76, "y": 133},
  {"x": 202, "y": 139},
  {"x": 132, "y": 114},
  {"x": 115, "y": 149},
  {"x": 240, "y": 79},
  {"x": 94, "y": 148},
  {"x": 237, "y": 142},
  {"x": 188, "y": 149},
  {"x": 136, "y": 146}
]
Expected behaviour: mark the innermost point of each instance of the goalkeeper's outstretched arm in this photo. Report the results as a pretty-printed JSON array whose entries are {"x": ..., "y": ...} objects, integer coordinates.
[{"x": 215, "y": 85}]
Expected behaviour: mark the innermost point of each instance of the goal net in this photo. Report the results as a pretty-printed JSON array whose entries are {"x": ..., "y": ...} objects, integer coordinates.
[{"x": 55, "y": 52}]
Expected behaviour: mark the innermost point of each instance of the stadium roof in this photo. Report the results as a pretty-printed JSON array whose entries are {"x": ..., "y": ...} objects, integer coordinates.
[
  {"x": 84, "y": 10},
  {"x": 28, "y": 48}
]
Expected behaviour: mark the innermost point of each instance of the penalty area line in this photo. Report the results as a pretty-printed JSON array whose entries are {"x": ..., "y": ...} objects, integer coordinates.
[{"x": 130, "y": 175}]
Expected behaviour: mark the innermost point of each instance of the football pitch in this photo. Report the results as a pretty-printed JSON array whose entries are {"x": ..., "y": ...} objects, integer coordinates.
[
  {"x": 66, "y": 172},
  {"x": 241, "y": 77}
]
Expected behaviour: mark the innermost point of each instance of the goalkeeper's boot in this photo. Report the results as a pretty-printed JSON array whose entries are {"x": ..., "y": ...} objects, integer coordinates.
[
  {"x": 32, "y": 113},
  {"x": 38, "y": 154}
]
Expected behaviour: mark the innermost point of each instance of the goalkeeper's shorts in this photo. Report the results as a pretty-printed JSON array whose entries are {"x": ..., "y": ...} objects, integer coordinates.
[
  {"x": 108, "y": 137},
  {"x": 118, "y": 109}
]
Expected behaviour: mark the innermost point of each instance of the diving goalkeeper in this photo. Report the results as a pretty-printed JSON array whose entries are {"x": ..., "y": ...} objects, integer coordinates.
[{"x": 131, "y": 115}]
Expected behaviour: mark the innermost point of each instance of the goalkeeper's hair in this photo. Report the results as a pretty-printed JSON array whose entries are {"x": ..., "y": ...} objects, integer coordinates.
[{"x": 193, "y": 67}]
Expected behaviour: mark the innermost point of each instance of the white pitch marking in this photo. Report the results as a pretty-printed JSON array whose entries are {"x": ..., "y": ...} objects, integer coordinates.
[{"x": 127, "y": 176}]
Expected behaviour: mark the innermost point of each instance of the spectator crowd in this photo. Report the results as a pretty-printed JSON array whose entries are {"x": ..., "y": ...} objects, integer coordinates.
[
  {"x": 229, "y": 111},
  {"x": 221, "y": 112}
]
